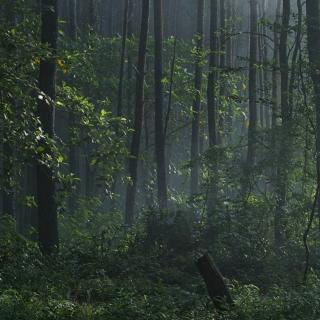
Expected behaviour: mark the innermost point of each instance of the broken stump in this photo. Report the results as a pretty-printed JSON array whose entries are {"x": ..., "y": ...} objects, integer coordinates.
[{"x": 215, "y": 283}]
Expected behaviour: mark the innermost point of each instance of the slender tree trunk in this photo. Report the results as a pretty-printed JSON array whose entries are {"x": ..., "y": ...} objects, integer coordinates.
[
  {"x": 197, "y": 102},
  {"x": 159, "y": 132},
  {"x": 74, "y": 154},
  {"x": 252, "y": 130},
  {"x": 221, "y": 118},
  {"x": 212, "y": 108},
  {"x": 313, "y": 29},
  {"x": 47, "y": 209},
  {"x": 172, "y": 68},
  {"x": 135, "y": 145},
  {"x": 73, "y": 27},
  {"x": 261, "y": 71},
  {"x": 229, "y": 31},
  {"x": 110, "y": 22},
  {"x": 129, "y": 57},
  {"x": 283, "y": 152},
  {"x": 122, "y": 59},
  {"x": 297, "y": 48},
  {"x": 266, "y": 78},
  {"x": 92, "y": 14},
  {"x": 275, "y": 74}
]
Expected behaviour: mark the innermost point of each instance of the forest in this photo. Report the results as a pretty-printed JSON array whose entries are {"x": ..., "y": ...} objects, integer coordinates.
[{"x": 159, "y": 159}]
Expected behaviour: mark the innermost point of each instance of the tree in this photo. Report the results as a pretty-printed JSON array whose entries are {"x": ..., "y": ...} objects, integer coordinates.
[
  {"x": 222, "y": 65},
  {"x": 73, "y": 19},
  {"x": 286, "y": 116},
  {"x": 313, "y": 28},
  {"x": 138, "y": 115},
  {"x": 74, "y": 153},
  {"x": 252, "y": 130},
  {"x": 197, "y": 102},
  {"x": 47, "y": 210},
  {"x": 123, "y": 55},
  {"x": 212, "y": 106},
  {"x": 159, "y": 131}
]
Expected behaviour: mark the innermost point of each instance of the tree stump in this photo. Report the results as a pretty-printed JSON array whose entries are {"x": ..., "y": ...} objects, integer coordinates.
[{"x": 213, "y": 278}]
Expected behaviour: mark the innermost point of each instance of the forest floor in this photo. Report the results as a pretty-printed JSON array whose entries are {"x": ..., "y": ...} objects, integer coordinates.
[{"x": 130, "y": 277}]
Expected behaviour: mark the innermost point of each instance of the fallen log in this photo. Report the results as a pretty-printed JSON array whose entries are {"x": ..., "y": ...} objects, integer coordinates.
[{"x": 215, "y": 283}]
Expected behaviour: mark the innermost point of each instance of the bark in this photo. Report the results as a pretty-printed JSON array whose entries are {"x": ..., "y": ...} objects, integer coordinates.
[
  {"x": 266, "y": 77},
  {"x": 286, "y": 115},
  {"x": 73, "y": 19},
  {"x": 297, "y": 48},
  {"x": 197, "y": 102},
  {"x": 252, "y": 130},
  {"x": 92, "y": 14},
  {"x": 275, "y": 74},
  {"x": 74, "y": 153},
  {"x": 216, "y": 286},
  {"x": 122, "y": 59},
  {"x": 139, "y": 108},
  {"x": 222, "y": 68},
  {"x": 313, "y": 28},
  {"x": 110, "y": 18},
  {"x": 212, "y": 108},
  {"x": 172, "y": 68},
  {"x": 261, "y": 71},
  {"x": 159, "y": 132},
  {"x": 47, "y": 209}
]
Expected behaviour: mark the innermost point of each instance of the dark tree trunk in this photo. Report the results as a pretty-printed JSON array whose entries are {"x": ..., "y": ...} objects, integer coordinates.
[
  {"x": 313, "y": 29},
  {"x": 122, "y": 59},
  {"x": 92, "y": 14},
  {"x": 197, "y": 102},
  {"x": 216, "y": 286},
  {"x": 286, "y": 115},
  {"x": 275, "y": 76},
  {"x": 135, "y": 145},
  {"x": 110, "y": 10},
  {"x": 47, "y": 209},
  {"x": 212, "y": 108},
  {"x": 252, "y": 130},
  {"x": 159, "y": 132},
  {"x": 222, "y": 64},
  {"x": 130, "y": 35},
  {"x": 74, "y": 153},
  {"x": 266, "y": 78},
  {"x": 73, "y": 19}
]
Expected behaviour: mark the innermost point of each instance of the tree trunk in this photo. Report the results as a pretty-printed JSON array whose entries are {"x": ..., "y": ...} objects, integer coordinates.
[
  {"x": 159, "y": 132},
  {"x": 73, "y": 19},
  {"x": 122, "y": 59},
  {"x": 135, "y": 145},
  {"x": 283, "y": 152},
  {"x": 197, "y": 103},
  {"x": 74, "y": 153},
  {"x": 313, "y": 28},
  {"x": 222, "y": 63},
  {"x": 47, "y": 209},
  {"x": 275, "y": 76},
  {"x": 212, "y": 109},
  {"x": 216, "y": 286},
  {"x": 252, "y": 130}
]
